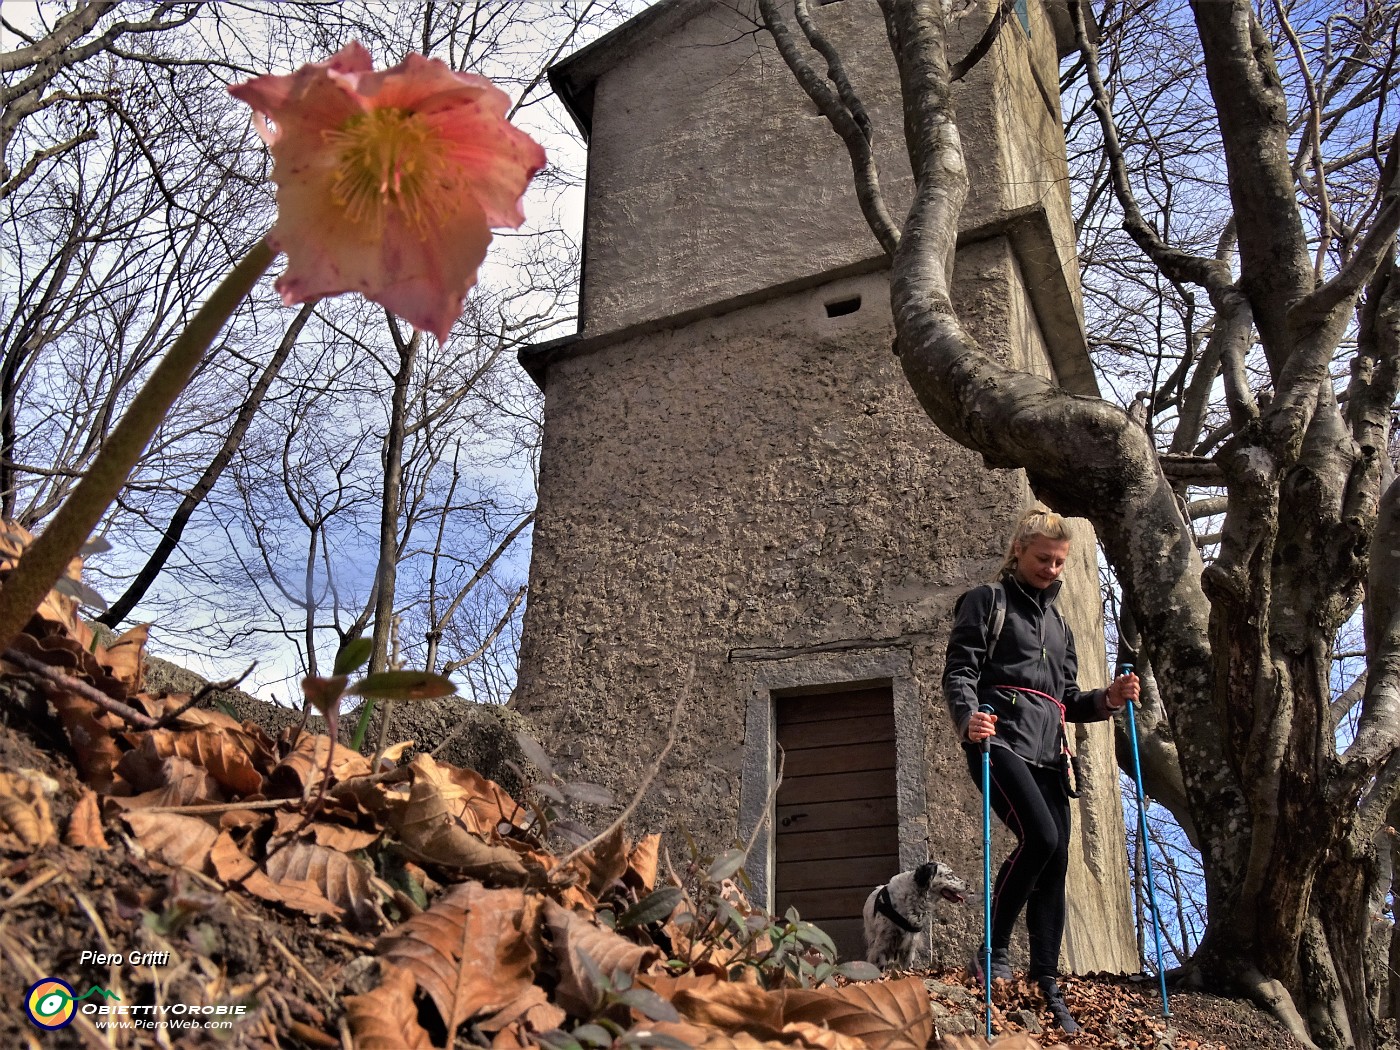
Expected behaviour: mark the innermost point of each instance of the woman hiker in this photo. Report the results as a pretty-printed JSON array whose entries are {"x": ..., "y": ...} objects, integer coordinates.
[{"x": 1012, "y": 651}]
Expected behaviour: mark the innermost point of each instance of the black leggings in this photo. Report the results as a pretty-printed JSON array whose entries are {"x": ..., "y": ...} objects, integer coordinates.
[{"x": 1032, "y": 803}]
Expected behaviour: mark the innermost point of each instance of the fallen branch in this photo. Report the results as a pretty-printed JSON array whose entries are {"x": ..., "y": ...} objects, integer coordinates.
[
  {"x": 76, "y": 685},
  {"x": 225, "y": 807}
]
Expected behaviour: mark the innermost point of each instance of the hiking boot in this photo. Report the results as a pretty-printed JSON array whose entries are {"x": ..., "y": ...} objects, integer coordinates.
[
  {"x": 1001, "y": 965},
  {"x": 1055, "y": 1003}
]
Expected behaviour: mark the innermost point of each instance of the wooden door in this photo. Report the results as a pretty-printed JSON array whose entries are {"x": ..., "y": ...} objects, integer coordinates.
[{"x": 837, "y": 833}]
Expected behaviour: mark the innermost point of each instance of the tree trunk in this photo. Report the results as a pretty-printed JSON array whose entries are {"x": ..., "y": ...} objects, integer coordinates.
[{"x": 387, "y": 573}]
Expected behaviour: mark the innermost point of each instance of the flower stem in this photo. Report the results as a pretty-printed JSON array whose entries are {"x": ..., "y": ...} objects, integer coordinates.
[{"x": 44, "y": 560}]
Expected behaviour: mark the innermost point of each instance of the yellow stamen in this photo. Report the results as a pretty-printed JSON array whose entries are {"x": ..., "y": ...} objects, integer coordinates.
[{"x": 390, "y": 159}]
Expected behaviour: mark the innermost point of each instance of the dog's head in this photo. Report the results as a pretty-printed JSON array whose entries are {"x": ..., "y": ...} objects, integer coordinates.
[{"x": 939, "y": 878}]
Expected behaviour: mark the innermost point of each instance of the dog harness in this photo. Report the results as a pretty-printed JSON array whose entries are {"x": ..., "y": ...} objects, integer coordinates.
[{"x": 885, "y": 907}]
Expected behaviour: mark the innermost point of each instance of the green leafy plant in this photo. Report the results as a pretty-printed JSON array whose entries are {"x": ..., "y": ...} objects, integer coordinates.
[
  {"x": 555, "y": 794},
  {"x": 722, "y": 927},
  {"x": 618, "y": 996}
]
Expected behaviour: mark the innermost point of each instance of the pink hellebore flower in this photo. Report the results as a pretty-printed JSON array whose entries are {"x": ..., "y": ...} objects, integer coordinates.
[{"x": 388, "y": 183}]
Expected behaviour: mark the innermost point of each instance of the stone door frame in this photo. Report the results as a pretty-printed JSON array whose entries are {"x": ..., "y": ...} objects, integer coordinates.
[{"x": 794, "y": 673}]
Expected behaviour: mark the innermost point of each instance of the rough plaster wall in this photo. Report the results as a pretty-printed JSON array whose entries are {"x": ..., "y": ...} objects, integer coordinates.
[
  {"x": 734, "y": 494},
  {"x": 762, "y": 479},
  {"x": 691, "y": 134},
  {"x": 1025, "y": 90}
]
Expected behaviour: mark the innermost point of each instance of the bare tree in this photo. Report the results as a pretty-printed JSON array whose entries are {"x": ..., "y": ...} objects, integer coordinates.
[
  {"x": 130, "y": 180},
  {"x": 1302, "y": 349}
]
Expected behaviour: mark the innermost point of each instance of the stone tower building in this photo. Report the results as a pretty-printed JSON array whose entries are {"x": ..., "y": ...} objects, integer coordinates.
[{"x": 743, "y": 509}]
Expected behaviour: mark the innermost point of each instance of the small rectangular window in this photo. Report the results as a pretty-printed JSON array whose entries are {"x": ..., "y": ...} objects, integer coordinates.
[{"x": 842, "y": 307}]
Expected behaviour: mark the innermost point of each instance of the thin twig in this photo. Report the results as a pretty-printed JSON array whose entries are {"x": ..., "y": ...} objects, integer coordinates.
[
  {"x": 642, "y": 788},
  {"x": 204, "y": 691},
  {"x": 1324, "y": 220},
  {"x": 489, "y": 640},
  {"x": 81, "y": 688},
  {"x": 767, "y": 803},
  {"x": 225, "y": 807},
  {"x": 462, "y": 727},
  {"x": 29, "y": 887},
  {"x": 296, "y": 965}
]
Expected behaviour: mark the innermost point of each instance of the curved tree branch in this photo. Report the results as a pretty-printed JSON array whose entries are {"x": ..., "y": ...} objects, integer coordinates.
[
  {"x": 1176, "y": 265},
  {"x": 1275, "y": 265},
  {"x": 843, "y": 120},
  {"x": 1097, "y": 463},
  {"x": 964, "y": 65}
]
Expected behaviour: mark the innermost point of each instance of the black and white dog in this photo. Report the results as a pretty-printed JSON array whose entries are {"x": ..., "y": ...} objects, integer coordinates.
[{"x": 895, "y": 913}]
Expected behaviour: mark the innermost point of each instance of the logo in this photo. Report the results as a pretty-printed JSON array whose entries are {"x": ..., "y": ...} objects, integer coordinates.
[{"x": 51, "y": 1004}]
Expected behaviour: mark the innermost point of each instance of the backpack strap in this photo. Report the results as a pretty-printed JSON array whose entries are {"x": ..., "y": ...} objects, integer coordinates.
[{"x": 997, "y": 617}]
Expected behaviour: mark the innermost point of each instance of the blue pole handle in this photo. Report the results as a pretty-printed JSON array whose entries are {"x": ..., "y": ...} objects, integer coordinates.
[
  {"x": 1146, "y": 853},
  {"x": 987, "y": 870}
]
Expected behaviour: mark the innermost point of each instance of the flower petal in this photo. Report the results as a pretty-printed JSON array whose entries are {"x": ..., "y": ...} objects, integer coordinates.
[{"x": 388, "y": 182}]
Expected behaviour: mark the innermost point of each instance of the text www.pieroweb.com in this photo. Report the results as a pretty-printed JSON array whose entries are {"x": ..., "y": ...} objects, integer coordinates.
[{"x": 173, "y": 1016}]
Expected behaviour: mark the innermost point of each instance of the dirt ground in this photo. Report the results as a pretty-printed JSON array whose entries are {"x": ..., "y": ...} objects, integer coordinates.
[{"x": 200, "y": 946}]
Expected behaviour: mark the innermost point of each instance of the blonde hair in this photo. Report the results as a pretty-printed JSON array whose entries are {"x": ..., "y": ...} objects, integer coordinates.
[{"x": 1037, "y": 521}]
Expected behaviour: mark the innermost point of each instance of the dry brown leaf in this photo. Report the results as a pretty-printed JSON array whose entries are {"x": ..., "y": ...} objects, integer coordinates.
[
  {"x": 439, "y": 824},
  {"x": 685, "y": 943},
  {"x": 471, "y": 951},
  {"x": 480, "y": 804},
  {"x": 892, "y": 1015},
  {"x": 805, "y": 1034},
  {"x": 60, "y": 649},
  {"x": 323, "y": 833},
  {"x": 233, "y": 819},
  {"x": 207, "y": 717},
  {"x": 702, "y": 1038},
  {"x": 376, "y": 798},
  {"x": 575, "y": 940},
  {"x": 25, "y": 817},
  {"x": 394, "y": 752},
  {"x": 172, "y": 838},
  {"x": 227, "y": 754},
  {"x": 531, "y": 1010},
  {"x": 386, "y": 1018},
  {"x": 231, "y": 866},
  {"x": 604, "y": 863},
  {"x": 343, "y": 882},
  {"x": 642, "y": 863},
  {"x": 339, "y": 837},
  {"x": 720, "y": 1004},
  {"x": 490, "y": 802},
  {"x": 514, "y": 1037},
  {"x": 185, "y": 784},
  {"x": 143, "y": 767},
  {"x": 90, "y": 733},
  {"x": 85, "y": 824},
  {"x": 305, "y": 763},
  {"x": 124, "y": 658}
]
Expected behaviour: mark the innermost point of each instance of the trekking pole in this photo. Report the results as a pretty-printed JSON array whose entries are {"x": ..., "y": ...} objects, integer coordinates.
[
  {"x": 987, "y": 870},
  {"x": 1147, "y": 853}
]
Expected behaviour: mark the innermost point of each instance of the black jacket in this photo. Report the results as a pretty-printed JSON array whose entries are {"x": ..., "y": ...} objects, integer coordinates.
[{"x": 1035, "y": 650}]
